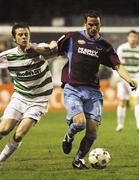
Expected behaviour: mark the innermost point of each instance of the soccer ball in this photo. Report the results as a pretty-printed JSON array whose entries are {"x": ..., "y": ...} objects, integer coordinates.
[{"x": 99, "y": 158}]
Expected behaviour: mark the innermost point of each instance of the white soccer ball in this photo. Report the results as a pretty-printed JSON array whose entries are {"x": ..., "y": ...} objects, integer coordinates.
[{"x": 99, "y": 158}]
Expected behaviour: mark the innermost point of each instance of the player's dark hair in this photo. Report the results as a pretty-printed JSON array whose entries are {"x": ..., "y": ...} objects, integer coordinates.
[
  {"x": 17, "y": 26},
  {"x": 92, "y": 13},
  {"x": 132, "y": 31}
]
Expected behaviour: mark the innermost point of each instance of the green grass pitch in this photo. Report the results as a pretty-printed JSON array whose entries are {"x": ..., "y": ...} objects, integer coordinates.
[{"x": 40, "y": 156}]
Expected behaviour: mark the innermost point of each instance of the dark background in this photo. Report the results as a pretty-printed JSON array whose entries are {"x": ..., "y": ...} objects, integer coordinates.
[
  {"x": 43, "y": 12},
  {"x": 40, "y": 12}
]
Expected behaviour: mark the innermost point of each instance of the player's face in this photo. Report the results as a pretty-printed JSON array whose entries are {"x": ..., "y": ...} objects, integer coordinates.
[
  {"x": 93, "y": 26},
  {"x": 132, "y": 39},
  {"x": 22, "y": 37}
]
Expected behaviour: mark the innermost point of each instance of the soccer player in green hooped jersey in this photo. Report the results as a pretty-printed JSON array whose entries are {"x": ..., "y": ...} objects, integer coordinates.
[
  {"x": 129, "y": 55},
  {"x": 32, "y": 87}
]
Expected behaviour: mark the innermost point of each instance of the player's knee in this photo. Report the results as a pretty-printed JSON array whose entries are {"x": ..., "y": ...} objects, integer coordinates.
[
  {"x": 1, "y": 136},
  {"x": 80, "y": 126},
  {"x": 137, "y": 100},
  {"x": 4, "y": 131},
  {"x": 79, "y": 118},
  {"x": 123, "y": 103},
  {"x": 19, "y": 135}
]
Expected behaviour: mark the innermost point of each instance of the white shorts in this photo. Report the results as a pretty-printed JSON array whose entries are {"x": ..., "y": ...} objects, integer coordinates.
[
  {"x": 124, "y": 90},
  {"x": 18, "y": 109}
]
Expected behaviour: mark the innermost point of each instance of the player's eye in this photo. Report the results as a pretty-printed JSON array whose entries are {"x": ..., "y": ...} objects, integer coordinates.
[
  {"x": 26, "y": 34},
  {"x": 95, "y": 24},
  {"x": 23, "y": 34}
]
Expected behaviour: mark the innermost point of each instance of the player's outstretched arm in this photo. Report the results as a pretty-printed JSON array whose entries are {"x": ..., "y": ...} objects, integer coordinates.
[
  {"x": 44, "y": 48},
  {"x": 123, "y": 73},
  {"x": 51, "y": 48}
]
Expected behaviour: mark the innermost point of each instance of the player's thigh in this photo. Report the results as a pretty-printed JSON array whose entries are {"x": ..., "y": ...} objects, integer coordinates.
[
  {"x": 93, "y": 109},
  {"x": 92, "y": 126},
  {"x": 135, "y": 94},
  {"x": 10, "y": 118},
  {"x": 73, "y": 104},
  {"x": 79, "y": 118},
  {"x": 137, "y": 100},
  {"x": 123, "y": 102},
  {"x": 123, "y": 90},
  {"x": 7, "y": 125},
  {"x": 24, "y": 126}
]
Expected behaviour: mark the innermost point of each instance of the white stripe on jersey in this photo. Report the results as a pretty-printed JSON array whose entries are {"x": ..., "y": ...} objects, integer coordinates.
[{"x": 129, "y": 58}]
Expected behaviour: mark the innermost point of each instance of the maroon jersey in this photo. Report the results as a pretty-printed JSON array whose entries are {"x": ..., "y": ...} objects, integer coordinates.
[{"x": 84, "y": 58}]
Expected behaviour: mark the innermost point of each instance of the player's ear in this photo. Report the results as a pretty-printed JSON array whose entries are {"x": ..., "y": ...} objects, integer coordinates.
[
  {"x": 14, "y": 40},
  {"x": 84, "y": 25}
]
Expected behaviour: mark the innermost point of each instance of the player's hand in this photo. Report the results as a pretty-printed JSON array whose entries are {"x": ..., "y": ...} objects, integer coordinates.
[
  {"x": 53, "y": 45},
  {"x": 133, "y": 85}
]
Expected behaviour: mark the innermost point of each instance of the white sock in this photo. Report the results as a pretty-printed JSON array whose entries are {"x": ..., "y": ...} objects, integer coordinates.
[
  {"x": 121, "y": 111},
  {"x": 136, "y": 111},
  {"x": 9, "y": 148}
]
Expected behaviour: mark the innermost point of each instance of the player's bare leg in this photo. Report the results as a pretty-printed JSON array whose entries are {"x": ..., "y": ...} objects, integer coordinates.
[
  {"x": 15, "y": 142},
  {"x": 6, "y": 126},
  {"x": 79, "y": 124},
  {"x": 136, "y": 112},
  {"x": 86, "y": 143},
  {"x": 121, "y": 112}
]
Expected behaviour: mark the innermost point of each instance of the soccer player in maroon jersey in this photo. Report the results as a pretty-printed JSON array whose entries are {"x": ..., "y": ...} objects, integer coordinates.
[{"x": 86, "y": 50}]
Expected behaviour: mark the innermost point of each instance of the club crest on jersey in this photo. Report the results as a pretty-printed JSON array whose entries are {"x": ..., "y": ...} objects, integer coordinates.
[
  {"x": 99, "y": 48},
  {"x": 80, "y": 41}
]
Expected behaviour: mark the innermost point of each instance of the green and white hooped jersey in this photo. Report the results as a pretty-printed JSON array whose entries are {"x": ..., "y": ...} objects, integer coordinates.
[
  {"x": 30, "y": 73},
  {"x": 129, "y": 58}
]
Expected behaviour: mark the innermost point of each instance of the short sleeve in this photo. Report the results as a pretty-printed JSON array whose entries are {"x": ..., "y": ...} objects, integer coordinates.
[
  {"x": 120, "y": 53},
  {"x": 3, "y": 62},
  {"x": 63, "y": 43},
  {"x": 111, "y": 58}
]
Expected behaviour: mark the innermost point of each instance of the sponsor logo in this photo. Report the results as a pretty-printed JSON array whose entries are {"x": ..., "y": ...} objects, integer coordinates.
[
  {"x": 81, "y": 41},
  {"x": 88, "y": 52},
  {"x": 28, "y": 73}
]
